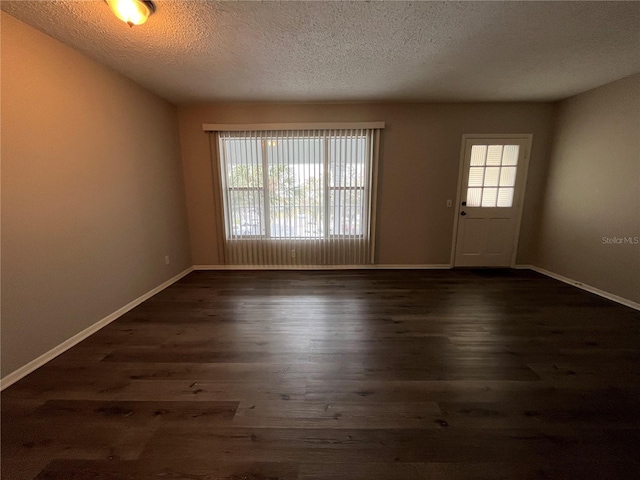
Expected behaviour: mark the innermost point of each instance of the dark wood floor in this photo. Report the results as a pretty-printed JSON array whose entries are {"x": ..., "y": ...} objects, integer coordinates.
[{"x": 391, "y": 375}]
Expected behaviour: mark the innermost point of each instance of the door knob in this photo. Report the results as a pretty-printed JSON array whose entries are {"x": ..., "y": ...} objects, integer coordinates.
[{"x": 463, "y": 213}]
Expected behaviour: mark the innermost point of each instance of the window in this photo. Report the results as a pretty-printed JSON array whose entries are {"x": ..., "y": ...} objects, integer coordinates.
[
  {"x": 314, "y": 185},
  {"x": 492, "y": 175},
  {"x": 311, "y": 186}
]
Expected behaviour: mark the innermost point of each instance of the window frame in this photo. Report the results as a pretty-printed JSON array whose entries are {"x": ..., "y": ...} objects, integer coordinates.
[{"x": 328, "y": 221}]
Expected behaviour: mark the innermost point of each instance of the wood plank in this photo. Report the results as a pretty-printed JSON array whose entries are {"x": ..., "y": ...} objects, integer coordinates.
[{"x": 350, "y": 375}]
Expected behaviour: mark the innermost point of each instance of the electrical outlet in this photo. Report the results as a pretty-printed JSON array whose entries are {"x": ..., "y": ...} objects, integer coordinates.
[
  {"x": 167, "y": 260},
  {"x": 449, "y": 203},
  {"x": 293, "y": 254}
]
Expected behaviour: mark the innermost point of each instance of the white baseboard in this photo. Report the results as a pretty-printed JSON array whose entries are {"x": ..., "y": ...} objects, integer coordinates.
[
  {"x": 424, "y": 266},
  {"x": 588, "y": 288},
  {"x": 435, "y": 266},
  {"x": 25, "y": 370}
]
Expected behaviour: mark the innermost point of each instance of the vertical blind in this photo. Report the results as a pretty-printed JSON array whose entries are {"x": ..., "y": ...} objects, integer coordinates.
[{"x": 296, "y": 196}]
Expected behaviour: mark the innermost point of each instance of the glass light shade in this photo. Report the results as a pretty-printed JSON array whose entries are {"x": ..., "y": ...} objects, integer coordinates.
[{"x": 132, "y": 12}]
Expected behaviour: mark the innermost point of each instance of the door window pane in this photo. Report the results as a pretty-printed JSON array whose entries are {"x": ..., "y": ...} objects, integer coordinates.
[
  {"x": 508, "y": 176},
  {"x": 476, "y": 176},
  {"x": 492, "y": 166},
  {"x": 505, "y": 197},
  {"x": 510, "y": 155},
  {"x": 494, "y": 155},
  {"x": 478, "y": 155},
  {"x": 474, "y": 196},
  {"x": 491, "y": 176},
  {"x": 489, "y": 197}
]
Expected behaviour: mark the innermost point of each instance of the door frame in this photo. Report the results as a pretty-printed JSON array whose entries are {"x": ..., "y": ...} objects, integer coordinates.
[{"x": 528, "y": 139}]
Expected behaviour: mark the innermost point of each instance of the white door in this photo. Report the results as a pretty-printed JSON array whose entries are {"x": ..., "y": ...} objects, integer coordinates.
[{"x": 490, "y": 200}]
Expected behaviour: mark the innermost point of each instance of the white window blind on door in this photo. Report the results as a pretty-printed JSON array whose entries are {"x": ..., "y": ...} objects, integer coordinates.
[
  {"x": 492, "y": 175},
  {"x": 297, "y": 196}
]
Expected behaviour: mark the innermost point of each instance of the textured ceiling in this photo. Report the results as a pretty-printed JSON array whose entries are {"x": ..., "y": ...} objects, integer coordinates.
[{"x": 196, "y": 51}]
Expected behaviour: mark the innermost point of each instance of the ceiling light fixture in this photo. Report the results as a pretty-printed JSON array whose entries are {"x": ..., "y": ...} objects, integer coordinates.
[{"x": 132, "y": 12}]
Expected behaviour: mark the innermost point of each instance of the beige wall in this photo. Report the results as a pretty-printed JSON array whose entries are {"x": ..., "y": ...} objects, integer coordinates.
[
  {"x": 92, "y": 193},
  {"x": 593, "y": 190},
  {"x": 420, "y": 156}
]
